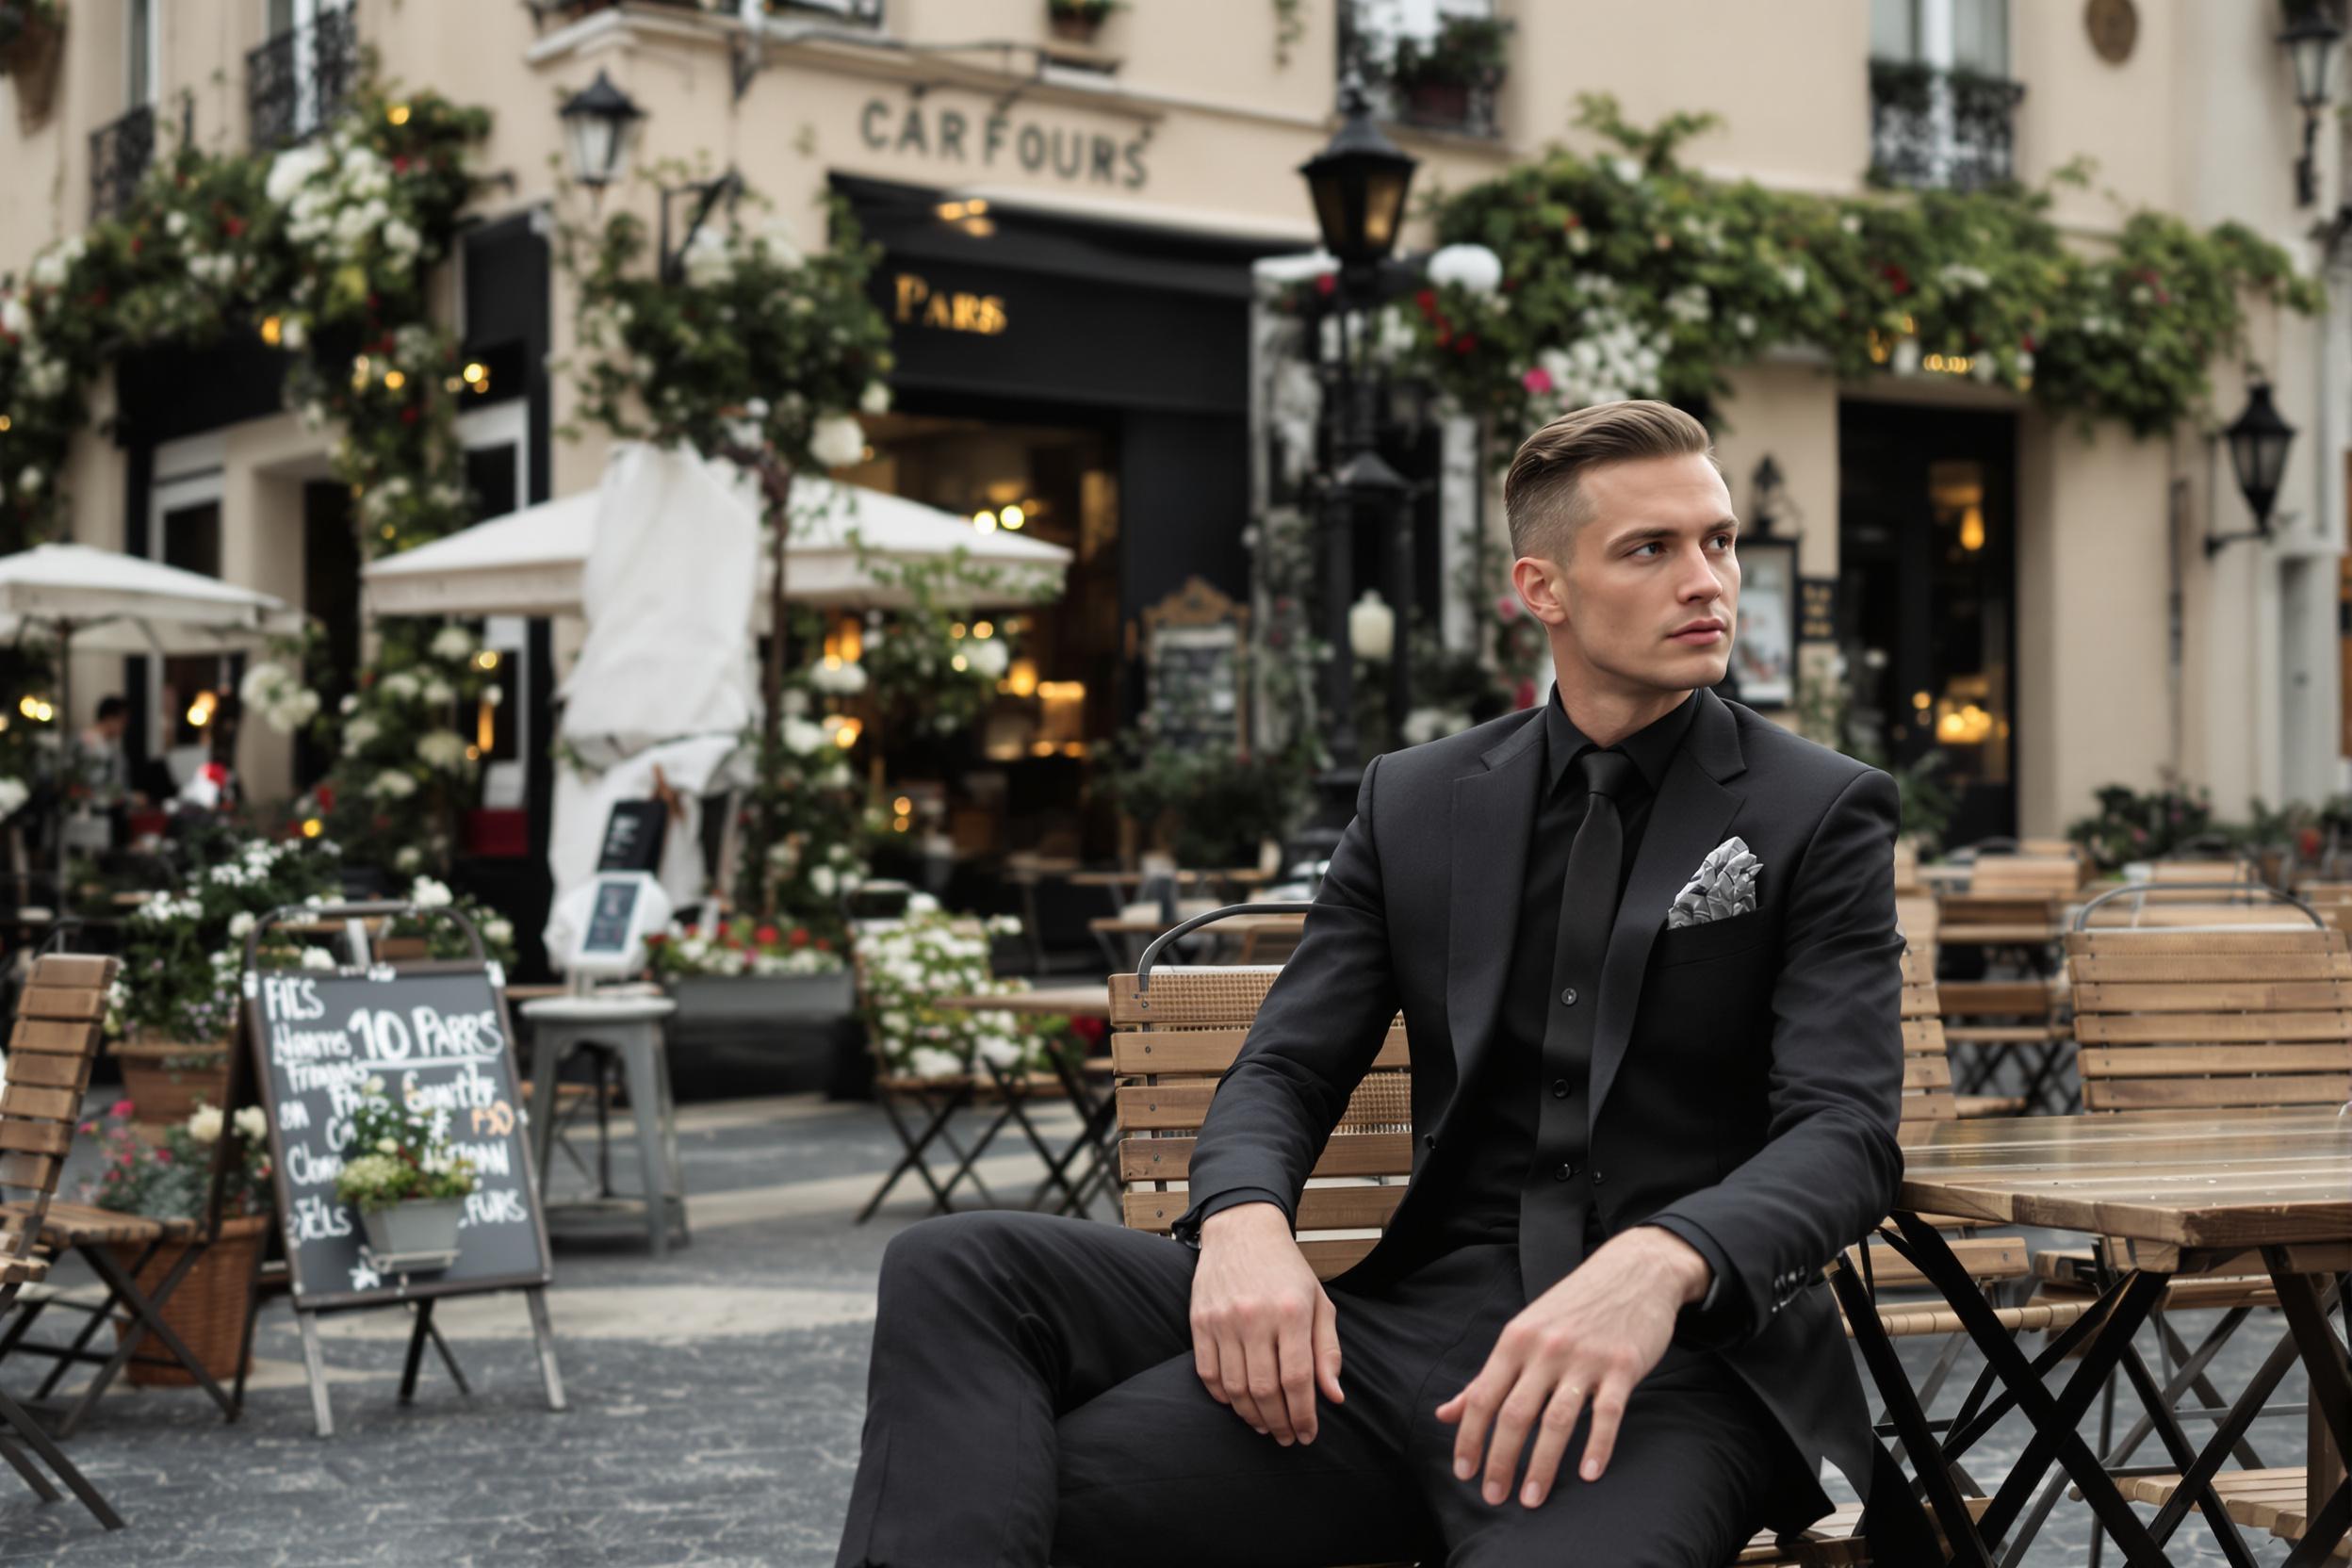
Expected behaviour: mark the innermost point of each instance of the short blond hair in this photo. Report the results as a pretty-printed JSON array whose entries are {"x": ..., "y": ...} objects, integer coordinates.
[{"x": 1543, "y": 498}]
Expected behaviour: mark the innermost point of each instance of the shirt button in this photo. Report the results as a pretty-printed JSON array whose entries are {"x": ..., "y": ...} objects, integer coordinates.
[
  {"x": 1568, "y": 997},
  {"x": 1563, "y": 1173},
  {"x": 1560, "y": 1088}
]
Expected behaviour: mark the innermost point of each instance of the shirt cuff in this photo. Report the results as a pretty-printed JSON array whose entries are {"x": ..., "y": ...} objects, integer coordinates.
[
  {"x": 1189, "y": 1229},
  {"x": 1719, "y": 1265}
]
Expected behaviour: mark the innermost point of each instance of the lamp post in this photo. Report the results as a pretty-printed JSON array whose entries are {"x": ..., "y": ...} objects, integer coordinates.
[
  {"x": 601, "y": 126},
  {"x": 2257, "y": 439},
  {"x": 2311, "y": 40},
  {"x": 1358, "y": 183}
]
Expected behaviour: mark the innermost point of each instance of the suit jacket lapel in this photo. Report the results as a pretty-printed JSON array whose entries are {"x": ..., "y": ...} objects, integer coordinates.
[
  {"x": 1493, "y": 817},
  {"x": 1686, "y": 824}
]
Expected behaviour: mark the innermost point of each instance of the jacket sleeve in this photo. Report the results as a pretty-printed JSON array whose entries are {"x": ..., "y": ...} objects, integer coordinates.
[
  {"x": 1828, "y": 1168},
  {"x": 1315, "y": 1035}
]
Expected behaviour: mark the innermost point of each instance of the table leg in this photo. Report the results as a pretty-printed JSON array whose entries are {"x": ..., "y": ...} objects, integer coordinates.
[{"x": 2301, "y": 1299}]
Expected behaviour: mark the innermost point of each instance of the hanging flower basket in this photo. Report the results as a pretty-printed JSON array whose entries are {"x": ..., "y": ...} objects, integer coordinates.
[
  {"x": 32, "y": 50},
  {"x": 207, "y": 1310},
  {"x": 164, "y": 1079}
]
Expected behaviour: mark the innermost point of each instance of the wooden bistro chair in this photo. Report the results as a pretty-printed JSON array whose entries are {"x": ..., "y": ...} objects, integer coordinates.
[
  {"x": 1175, "y": 1030},
  {"x": 2231, "y": 1016},
  {"x": 50, "y": 1051}
]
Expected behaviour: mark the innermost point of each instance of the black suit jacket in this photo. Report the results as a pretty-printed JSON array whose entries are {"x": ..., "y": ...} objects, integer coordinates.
[{"x": 1747, "y": 1073}]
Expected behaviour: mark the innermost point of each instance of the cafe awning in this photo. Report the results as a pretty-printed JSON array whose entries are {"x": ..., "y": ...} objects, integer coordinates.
[{"x": 528, "y": 561}]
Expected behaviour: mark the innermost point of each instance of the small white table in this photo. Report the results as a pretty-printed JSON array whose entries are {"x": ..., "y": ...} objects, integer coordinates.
[{"x": 630, "y": 1027}]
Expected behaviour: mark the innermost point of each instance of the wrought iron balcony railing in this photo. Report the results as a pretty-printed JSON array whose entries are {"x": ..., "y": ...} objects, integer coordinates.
[
  {"x": 296, "y": 82},
  {"x": 119, "y": 156},
  {"x": 865, "y": 13},
  {"x": 1944, "y": 129}
]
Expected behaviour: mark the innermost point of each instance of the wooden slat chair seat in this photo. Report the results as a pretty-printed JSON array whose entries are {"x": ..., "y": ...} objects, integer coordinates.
[
  {"x": 2272, "y": 1500},
  {"x": 1990, "y": 1022},
  {"x": 49, "y": 1049}
]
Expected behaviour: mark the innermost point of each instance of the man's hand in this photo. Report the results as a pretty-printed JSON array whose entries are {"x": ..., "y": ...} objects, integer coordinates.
[
  {"x": 1591, "y": 1337},
  {"x": 1264, "y": 1335}
]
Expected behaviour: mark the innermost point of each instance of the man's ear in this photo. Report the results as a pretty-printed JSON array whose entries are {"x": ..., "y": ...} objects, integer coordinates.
[{"x": 1537, "y": 584}]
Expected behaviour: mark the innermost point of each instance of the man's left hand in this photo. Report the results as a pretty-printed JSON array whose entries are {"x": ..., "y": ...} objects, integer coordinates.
[{"x": 1588, "y": 1339}]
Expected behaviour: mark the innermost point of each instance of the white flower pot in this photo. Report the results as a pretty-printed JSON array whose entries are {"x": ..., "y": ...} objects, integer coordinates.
[{"x": 420, "y": 1225}]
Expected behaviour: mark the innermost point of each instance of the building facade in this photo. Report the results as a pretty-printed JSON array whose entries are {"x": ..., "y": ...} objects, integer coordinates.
[{"x": 1068, "y": 231}]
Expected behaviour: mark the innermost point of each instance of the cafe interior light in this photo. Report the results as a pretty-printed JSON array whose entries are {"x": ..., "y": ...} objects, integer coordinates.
[
  {"x": 312, "y": 827},
  {"x": 845, "y": 730},
  {"x": 396, "y": 113},
  {"x": 903, "y": 807},
  {"x": 982, "y": 629},
  {"x": 487, "y": 659},
  {"x": 1973, "y": 529},
  {"x": 985, "y": 520},
  {"x": 1021, "y": 680},
  {"x": 36, "y": 710},
  {"x": 1012, "y": 517},
  {"x": 199, "y": 710},
  {"x": 394, "y": 381},
  {"x": 273, "y": 330},
  {"x": 960, "y": 663},
  {"x": 3, "y": 423}
]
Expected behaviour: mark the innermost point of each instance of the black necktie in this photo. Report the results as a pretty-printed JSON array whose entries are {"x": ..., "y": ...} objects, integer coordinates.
[{"x": 1556, "y": 1200}]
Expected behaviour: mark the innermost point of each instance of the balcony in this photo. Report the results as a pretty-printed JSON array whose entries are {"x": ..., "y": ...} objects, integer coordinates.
[
  {"x": 862, "y": 13},
  {"x": 1447, "y": 81},
  {"x": 299, "y": 80},
  {"x": 1943, "y": 130},
  {"x": 119, "y": 157}
]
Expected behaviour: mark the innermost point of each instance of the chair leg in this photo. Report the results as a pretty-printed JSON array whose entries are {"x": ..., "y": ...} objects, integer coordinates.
[
  {"x": 31, "y": 1472},
  {"x": 914, "y": 1143},
  {"x": 64, "y": 1468}
]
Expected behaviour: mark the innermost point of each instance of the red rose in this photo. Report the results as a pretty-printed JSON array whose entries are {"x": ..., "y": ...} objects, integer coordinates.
[
  {"x": 1467, "y": 343},
  {"x": 800, "y": 936},
  {"x": 233, "y": 225},
  {"x": 409, "y": 415},
  {"x": 654, "y": 938},
  {"x": 824, "y": 946},
  {"x": 1427, "y": 299},
  {"x": 765, "y": 935},
  {"x": 1326, "y": 283}
]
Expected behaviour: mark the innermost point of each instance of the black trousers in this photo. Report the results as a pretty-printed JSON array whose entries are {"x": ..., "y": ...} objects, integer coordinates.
[{"x": 1031, "y": 1400}]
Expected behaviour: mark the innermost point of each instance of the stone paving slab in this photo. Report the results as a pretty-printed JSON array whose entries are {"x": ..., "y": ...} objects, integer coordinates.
[{"x": 716, "y": 1400}]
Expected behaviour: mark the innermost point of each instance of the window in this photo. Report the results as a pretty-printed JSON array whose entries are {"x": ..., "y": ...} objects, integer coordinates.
[
  {"x": 1941, "y": 99},
  {"x": 498, "y": 474},
  {"x": 295, "y": 81},
  {"x": 1437, "y": 63},
  {"x": 144, "y": 57}
]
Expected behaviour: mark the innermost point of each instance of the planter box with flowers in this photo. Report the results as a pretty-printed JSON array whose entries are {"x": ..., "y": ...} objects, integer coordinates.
[
  {"x": 906, "y": 966},
  {"x": 409, "y": 1187},
  {"x": 433, "y": 936},
  {"x": 1079, "y": 20},
  {"x": 751, "y": 972},
  {"x": 170, "y": 1180}
]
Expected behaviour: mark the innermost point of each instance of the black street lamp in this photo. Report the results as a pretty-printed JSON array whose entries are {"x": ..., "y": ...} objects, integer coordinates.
[
  {"x": 2259, "y": 439},
  {"x": 1359, "y": 184},
  {"x": 2311, "y": 40},
  {"x": 602, "y": 125}
]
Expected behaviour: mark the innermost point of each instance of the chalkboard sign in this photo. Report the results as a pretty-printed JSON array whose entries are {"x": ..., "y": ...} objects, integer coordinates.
[
  {"x": 633, "y": 835},
  {"x": 439, "y": 1033},
  {"x": 1817, "y": 609},
  {"x": 1194, "y": 647}
]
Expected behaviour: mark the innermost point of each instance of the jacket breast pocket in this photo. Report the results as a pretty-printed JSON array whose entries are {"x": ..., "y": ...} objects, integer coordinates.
[{"x": 1714, "y": 938}]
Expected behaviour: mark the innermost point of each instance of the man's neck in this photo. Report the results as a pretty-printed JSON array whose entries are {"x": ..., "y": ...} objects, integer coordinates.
[{"x": 1606, "y": 716}]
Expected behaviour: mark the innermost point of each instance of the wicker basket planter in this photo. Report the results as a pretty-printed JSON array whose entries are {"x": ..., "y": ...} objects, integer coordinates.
[
  {"x": 34, "y": 59},
  {"x": 163, "y": 1094},
  {"x": 207, "y": 1310}
]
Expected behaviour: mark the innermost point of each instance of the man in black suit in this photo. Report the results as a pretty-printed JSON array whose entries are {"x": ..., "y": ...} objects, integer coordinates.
[{"x": 1594, "y": 1331}]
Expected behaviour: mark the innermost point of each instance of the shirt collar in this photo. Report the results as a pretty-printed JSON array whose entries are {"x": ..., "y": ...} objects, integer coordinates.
[{"x": 1651, "y": 748}]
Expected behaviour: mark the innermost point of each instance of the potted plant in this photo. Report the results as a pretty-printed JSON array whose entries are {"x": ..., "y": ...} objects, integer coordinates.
[
  {"x": 434, "y": 937},
  {"x": 1436, "y": 76},
  {"x": 1080, "y": 20},
  {"x": 752, "y": 971},
  {"x": 408, "y": 1184},
  {"x": 32, "y": 45},
  {"x": 172, "y": 1180},
  {"x": 906, "y": 966}
]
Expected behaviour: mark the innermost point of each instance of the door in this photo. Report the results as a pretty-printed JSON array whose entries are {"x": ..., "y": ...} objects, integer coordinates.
[
  {"x": 187, "y": 694},
  {"x": 1927, "y": 559}
]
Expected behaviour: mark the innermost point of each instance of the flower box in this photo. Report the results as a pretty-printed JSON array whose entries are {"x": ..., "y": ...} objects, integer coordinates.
[
  {"x": 417, "y": 1226},
  {"x": 164, "y": 1079},
  {"x": 207, "y": 1310}
]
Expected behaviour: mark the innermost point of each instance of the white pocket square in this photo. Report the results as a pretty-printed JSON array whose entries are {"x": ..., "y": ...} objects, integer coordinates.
[{"x": 1723, "y": 886}]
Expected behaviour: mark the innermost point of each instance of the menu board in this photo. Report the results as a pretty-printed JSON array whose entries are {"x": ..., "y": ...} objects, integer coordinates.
[
  {"x": 439, "y": 1032},
  {"x": 633, "y": 836},
  {"x": 1195, "y": 685}
]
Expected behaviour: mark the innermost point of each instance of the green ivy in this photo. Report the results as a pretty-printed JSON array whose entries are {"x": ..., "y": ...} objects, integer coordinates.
[{"x": 1627, "y": 275}]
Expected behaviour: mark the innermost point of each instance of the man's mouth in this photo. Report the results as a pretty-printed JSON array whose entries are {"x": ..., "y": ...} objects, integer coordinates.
[{"x": 1699, "y": 635}]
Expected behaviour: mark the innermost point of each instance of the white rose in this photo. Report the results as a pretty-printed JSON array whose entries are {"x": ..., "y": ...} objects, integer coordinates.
[
  {"x": 877, "y": 397},
  {"x": 253, "y": 1122},
  {"x": 14, "y": 318},
  {"x": 400, "y": 686},
  {"x": 442, "y": 748},
  {"x": 359, "y": 735},
  {"x": 921, "y": 904},
  {"x": 1471, "y": 267},
  {"x": 929, "y": 1062},
  {"x": 452, "y": 643},
  {"x": 388, "y": 1146},
  {"x": 407, "y": 858},
  {"x": 838, "y": 441},
  {"x": 292, "y": 335},
  {"x": 317, "y": 957},
  {"x": 988, "y": 659},
  {"x": 707, "y": 259},
  {"x": 803, "y": 739},
  {"x": 783, "y": 245},
  {"x": 374, "y": 1083},
  {"x": 402, "y": 239},
  {"x": 498, "y": 928},
  {"x": 28, "y": 482},
  {"x": 429, "y": 894},
  {"x": 205, "y": 1125},
  {"x": 240, "y": 923},
  {"x": 440, "y": 694},
  {"x": 822, "y": 881},
  {"x": 391, "y": 784}
]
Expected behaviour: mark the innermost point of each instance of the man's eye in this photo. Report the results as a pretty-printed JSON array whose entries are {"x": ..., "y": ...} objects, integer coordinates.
[{"x": 1652, "y": 544}]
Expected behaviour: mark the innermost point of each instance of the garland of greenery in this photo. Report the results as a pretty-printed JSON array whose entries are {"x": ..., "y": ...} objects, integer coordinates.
[
  {"x": 326, "y": 252},
  {"x": 1628, "y": 275}
]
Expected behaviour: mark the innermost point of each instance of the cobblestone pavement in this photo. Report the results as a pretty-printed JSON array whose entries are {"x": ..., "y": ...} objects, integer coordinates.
[{"x": 716, "y": 1400}]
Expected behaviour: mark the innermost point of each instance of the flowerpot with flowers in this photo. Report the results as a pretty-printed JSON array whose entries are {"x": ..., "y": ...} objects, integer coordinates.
[
  {"x": 1438, "y": 78},
  {"x": 432, "y": 935},
  {"x": 1079, "y": 20},
  {"x": 408, "y": 1184},
  {"x": 32, "y": 46},
  {"x": 750, "y": 971},
  {"x": 170, "y": 1180},
  {"x": 909, "y": 966}
]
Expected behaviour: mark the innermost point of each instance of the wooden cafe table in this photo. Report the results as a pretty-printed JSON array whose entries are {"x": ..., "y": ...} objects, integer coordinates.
[{"x": 2189, "y": 1191}]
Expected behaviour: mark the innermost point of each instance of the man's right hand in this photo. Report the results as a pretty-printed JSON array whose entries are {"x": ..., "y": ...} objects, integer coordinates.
[{"x": 1264, "y": 1335}]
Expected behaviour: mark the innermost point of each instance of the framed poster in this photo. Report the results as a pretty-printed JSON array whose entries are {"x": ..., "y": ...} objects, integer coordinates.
[
  {"x": 1195, "y": 645},
  {"x": 1764, "y": 651}
]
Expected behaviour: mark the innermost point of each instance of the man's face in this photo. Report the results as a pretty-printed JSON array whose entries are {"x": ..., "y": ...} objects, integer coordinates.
[{"x": 1649, "y": 595}]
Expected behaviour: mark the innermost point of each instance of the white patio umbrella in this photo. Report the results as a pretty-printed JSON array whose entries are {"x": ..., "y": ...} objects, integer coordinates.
[
  {"x": 528, "y": 562},
  {"x": 90, "y": 600}
]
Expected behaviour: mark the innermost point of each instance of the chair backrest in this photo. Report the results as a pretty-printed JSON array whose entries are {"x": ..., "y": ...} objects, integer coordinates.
[
  {"x": 1919, "y": 917},
  {"x": 58, "y": 1021},
  {"x": 1906, "y": 866},
  {"x": 1170, "y": 1045},
  {"x": 2026, "y": 877},
  {"x": 1927, "y": 1095},
  {"x": 2194, "y": 1020}
]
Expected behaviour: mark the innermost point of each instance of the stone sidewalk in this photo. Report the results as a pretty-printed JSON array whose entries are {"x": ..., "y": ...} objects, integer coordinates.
[{"x": 716, "y": 1400}]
